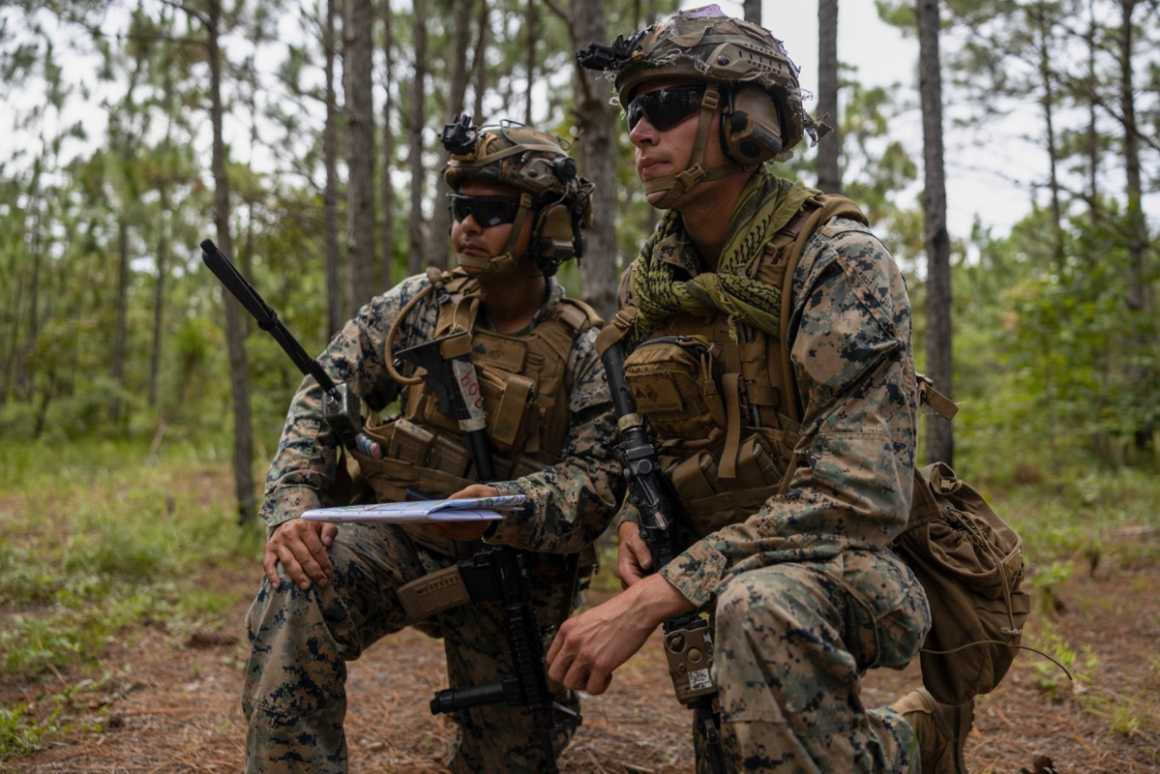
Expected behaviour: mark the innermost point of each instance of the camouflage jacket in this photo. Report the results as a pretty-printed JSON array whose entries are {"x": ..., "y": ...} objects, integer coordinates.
[
  {"x": 851, "y": 351},
  {"x": 573, "y": 500}
]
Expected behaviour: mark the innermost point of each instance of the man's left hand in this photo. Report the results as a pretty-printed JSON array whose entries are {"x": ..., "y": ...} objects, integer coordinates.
[
  {"x": 465, "y": 531},
  {"x": 591, "y": 645}
]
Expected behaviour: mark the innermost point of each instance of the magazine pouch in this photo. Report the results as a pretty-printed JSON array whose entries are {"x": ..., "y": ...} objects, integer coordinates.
[{"x": 431, "y": 594}]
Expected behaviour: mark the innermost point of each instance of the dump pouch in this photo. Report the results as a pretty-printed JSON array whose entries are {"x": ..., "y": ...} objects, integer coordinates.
[{"x": 970, "y": 563}]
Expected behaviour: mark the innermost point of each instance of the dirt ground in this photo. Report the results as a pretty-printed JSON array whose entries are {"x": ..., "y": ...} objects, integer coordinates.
[{"x": 172, "y": 704}]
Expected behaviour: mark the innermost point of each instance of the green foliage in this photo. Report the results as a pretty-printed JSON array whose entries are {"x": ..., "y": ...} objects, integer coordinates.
[
  {"x": 22, "y": 730},
  {"x": 1049, "y": 358},
  {"x": 1125, "y": 716},
  {"x": 101, "y": 541},
  {"x": 1051, "y": 679},
  {"x": 1047, "y": 582}
]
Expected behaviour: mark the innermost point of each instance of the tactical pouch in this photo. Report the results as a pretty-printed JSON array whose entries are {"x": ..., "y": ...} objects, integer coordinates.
[
  {"x": 970, "y": 563},
  {"x": 710, "y": 503},
  {"x": 675, "y": 382},
  {"x": 433, "y": 593},
  {"x": 509, "y": 398},
  {"x": 407, "y": 441},
  {"x": 450, "y": 455}
]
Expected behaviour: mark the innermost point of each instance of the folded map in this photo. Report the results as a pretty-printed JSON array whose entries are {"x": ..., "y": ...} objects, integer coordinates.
[{"x": 421, "y": 511}]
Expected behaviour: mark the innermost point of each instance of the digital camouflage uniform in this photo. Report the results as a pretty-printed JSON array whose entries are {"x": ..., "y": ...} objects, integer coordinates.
[
  {"x": 293, "y": 697},
  {"x": 805, "y": 593},
  {"x": 793, "y": 490}
]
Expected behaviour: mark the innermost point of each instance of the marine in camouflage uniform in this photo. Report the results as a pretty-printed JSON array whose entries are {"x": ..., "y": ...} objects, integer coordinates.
[
  {"x": 303, "y": 633},
  {"x": 779, "y": 385}
]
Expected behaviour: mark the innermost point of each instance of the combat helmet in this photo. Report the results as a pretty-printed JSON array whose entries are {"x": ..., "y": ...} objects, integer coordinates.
[
  {"x": 551, "y": 191},
  {"x": 744, "y": 67}
]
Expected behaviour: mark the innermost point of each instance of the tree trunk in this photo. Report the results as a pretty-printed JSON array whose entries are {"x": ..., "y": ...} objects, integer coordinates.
[
  {"x": 418, "y": 247},
  {"x": 336, "y": 306},
  {"x": 1044, "y": 34},
  {"x": 357, "y": 29},
  {"x": 11, "y": 354},
  {"x": 388, "y": 187},
  {"x": 438, "y": 246},
  {"x": 530, "y": 35},
  {"x": 24, "y": 364},
  {"x": 479, "y": 78},
  {"x": 939, "y": 365},
  {"x": 1139, "y": 296},
  {"x": 1093, "y": 141},
  {"x": 41, "y": 420},
  {"x": 599, "y": 268},
  {"x": 752, "y": 11},
  {"x": 235, "y": 344},
  {"x": 159, "y": 288},
  {"x": 829, "y": 174},
  {"x": 121, "y": 332}
]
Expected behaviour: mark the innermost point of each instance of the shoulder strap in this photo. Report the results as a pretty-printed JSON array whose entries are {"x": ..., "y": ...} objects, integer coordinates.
[
  {"x": 817, "y": 211},
  {"x": 579, "y": 316},
  {"x": 564, "y": 324}
]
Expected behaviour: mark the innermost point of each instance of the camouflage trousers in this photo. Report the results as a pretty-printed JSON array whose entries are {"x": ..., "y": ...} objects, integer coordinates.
[
  {"x": 792, "y": 643},
  {"x": 294, "y": 699}
]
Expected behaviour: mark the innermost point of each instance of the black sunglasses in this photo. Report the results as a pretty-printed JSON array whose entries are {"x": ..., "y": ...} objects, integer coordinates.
[
  {"x": 487, "y": 211},
  {"x": 665, "y": 108}
]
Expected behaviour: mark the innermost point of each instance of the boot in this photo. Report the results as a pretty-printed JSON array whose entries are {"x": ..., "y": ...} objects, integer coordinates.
[{"x": 941, "y": 730}]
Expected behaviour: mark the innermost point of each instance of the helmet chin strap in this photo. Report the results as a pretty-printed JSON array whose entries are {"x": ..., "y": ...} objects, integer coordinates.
[
  {"x": 676, "y": 185},
  {"x": 507, "y": 257}
]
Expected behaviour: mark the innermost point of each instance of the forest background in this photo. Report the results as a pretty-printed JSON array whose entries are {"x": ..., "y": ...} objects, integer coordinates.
[{"x": 303, "y": 138}]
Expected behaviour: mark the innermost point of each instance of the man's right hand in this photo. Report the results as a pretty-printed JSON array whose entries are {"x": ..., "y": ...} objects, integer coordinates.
[
  {"x": 300, "y": 546},
  {"x": 633, "y": 558}
]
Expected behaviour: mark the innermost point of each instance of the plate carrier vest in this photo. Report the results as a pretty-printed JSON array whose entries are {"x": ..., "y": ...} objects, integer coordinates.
[
  {"x": 725, "y": 414},
  {"x": 522, "y": 381}
]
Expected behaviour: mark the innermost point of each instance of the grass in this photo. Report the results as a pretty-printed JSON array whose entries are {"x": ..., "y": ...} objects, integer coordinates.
[
  {"x": 1125, "y": 716},
  {"x": 96, "y": 542}
]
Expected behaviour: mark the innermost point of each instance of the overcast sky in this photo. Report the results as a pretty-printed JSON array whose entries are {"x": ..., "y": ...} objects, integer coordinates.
[
  {"x": 883, "y": 56},
  {"x": 991, "y": 182}
]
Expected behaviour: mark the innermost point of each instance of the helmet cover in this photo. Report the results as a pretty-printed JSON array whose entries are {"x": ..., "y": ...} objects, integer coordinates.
[
  {"x": 705, "y": 45},
  {"x": 537, "y": 164}
]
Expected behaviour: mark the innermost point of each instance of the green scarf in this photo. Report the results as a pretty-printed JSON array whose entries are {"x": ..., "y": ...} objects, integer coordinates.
[{"x": 767, "y": 203}]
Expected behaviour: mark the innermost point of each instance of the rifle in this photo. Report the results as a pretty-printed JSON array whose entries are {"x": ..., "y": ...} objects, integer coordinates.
[
  {"x": 688, "y": 640},
  {"x": 340, "y": 406},
  {"x": 499, "y": 574},
  {"x": 494, "y": 573}
]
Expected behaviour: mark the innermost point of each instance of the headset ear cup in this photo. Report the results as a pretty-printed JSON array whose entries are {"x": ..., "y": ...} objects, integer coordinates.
[
  {"x": 554, "y": 237},
  {"x": 726, "y": 138},
  {"x": 751, "y": 134}
]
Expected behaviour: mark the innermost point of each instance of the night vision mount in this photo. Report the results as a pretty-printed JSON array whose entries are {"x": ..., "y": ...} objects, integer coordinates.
[
  {"x": 601, "y": 57},
  {"x": 460, "y": 137}
]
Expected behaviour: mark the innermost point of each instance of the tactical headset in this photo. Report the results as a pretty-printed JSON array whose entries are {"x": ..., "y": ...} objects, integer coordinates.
[
  {"x": 750, "y": 126},
  {"x": 537, "y": 163}
]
